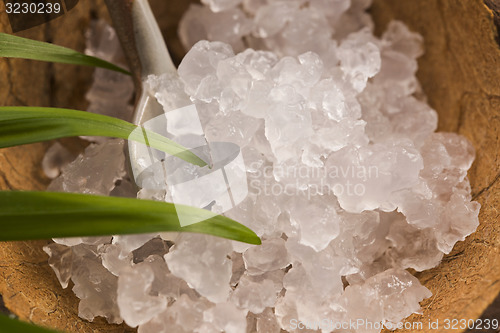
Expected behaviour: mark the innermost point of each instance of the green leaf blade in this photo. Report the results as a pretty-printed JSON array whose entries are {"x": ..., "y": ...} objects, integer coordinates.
[
  {"x": 9, "y": 325},
  {"x": 22, "y": 125},
  {"x": 42, "y": 215},
  {"x": 18, "y": 47}
]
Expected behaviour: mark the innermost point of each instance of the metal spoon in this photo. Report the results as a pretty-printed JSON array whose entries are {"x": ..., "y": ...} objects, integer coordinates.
[
  {"x": 224, "y": 181},
  {"x": 147, "y": 54}
]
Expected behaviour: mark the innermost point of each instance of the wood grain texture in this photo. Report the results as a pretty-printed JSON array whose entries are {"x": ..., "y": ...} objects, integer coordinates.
[
  {"x": 28, "y": 285},
  {"x": 460, "y": 73}
]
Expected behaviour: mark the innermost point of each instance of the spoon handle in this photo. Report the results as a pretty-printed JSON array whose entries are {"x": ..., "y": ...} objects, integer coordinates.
[
  {"x": 141, "y": 38},
  {"x": 121, "y": 15}
]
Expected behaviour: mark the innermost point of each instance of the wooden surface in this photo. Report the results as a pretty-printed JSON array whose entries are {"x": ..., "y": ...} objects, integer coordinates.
[
  {"x": 460, "y": 73},
  {"x": 28, "y": 285}
]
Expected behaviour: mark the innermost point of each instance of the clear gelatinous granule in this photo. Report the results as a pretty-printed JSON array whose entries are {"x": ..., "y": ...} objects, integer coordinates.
[{"x": 348, "y": 183}]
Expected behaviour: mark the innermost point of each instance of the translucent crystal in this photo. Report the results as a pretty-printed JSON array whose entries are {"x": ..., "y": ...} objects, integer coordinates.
[
  {"x": 309, "y": 303},
  {"x": 288, "y": 119},
  {"x": 55, "y": 158},
  {"x": 447, "y": 157},
  {"x": 330, "y": 99},
  {"x": 390, "y": 296},
  {"x": 402, "y": 40},
  {"x": 111, "y": 92},
  {"x": 112, "y": 258},
  {"x": 307, "y": 31},
  {"x": 238, "y": 128},
  {"x": 94, "y": 285},
  {"x": 322, "y": 270},
  {"x": 331, "y": 8},
  {"x": 359, "y": 58},
  {"x": 199, "y": 66},
  {"x": 254, "y": 296},
  {"x": 226, "y": 317},
  {"x": 346, "y": 181},
  {"x": 269, "y": 20},
  {"x": 219, "y": 5},
  {"x": 185, "y": 315},
  {"x": 61, "y": 261},
  {"x": 137, "y": 305},
  {"x": 420, "y": 254},
  {"x": 269, "y": 256},
  {"x": 202, "y": 261},
  {"x": 326, "y": 226},
  {"x": 227, "y": 26},
  {"x": 460, "y": 219},
  {"x": 128, "y": 243},
  {"x": 95, "y": 171}
]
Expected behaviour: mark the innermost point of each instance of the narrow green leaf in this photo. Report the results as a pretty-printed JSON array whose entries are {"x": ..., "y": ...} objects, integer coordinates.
[
  {"x": 18, "y": 47},
  {"x": 41, "y": 215},
  {"x": 23, "y": 124},
  {"x": 9, "y": 325}
]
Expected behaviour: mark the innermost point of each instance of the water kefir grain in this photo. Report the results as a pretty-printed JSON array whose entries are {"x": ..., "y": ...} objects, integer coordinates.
[{"x": 348, "y": 183}]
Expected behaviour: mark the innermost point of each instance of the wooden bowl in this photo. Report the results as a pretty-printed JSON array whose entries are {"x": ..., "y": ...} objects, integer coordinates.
[{"x": 460, "y": 73}]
